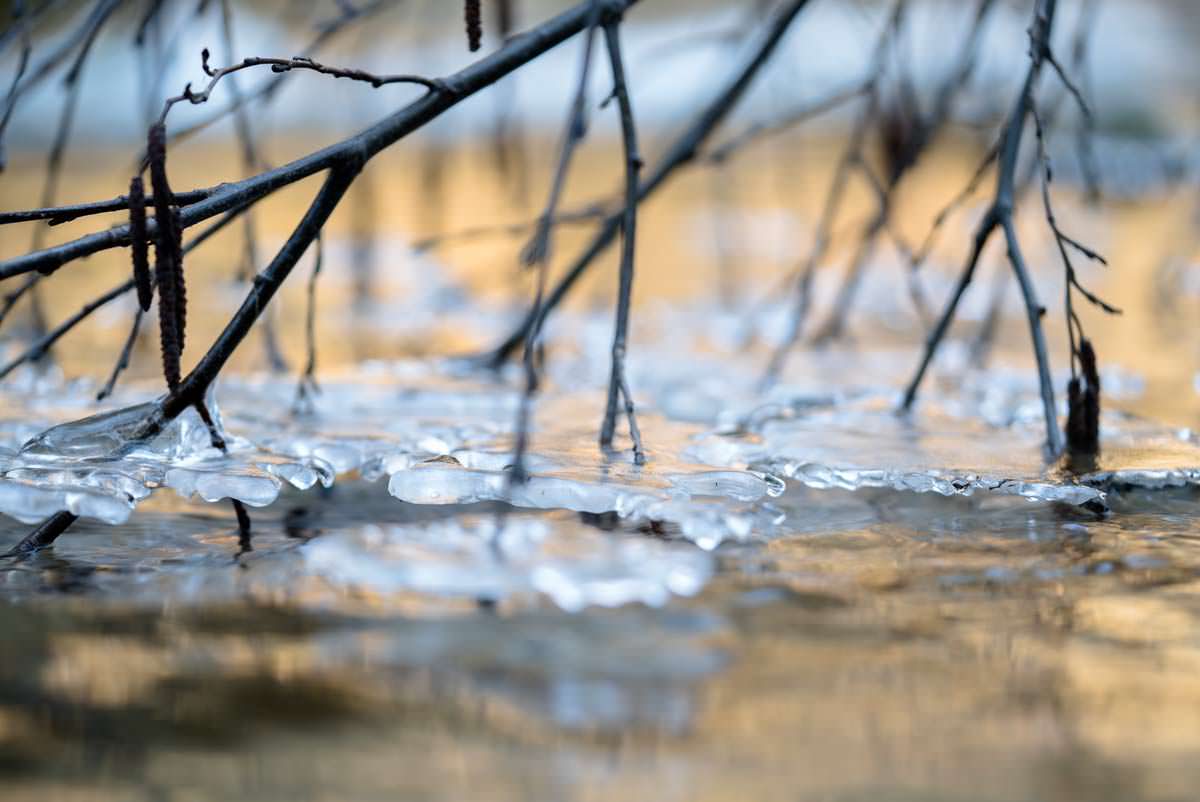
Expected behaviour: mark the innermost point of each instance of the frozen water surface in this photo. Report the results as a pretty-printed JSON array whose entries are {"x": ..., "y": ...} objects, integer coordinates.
[
  {"x": 721, "y": 454},
  {"x": 802, "y": 558}
]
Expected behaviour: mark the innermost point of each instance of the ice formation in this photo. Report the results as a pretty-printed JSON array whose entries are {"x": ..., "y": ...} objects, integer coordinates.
[
  {"x": 720, "y": 453},
  {"x": 478, "y": 558}
]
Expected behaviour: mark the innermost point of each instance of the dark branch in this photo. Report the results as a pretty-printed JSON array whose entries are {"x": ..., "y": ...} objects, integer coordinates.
[
  {"x": 287, "y": 65},
  {"x": 1000, "y": 216},
  {"x": 618, "y": 386},
  {"x": 683, "y": 151},
  {"x": 451, "y": 90}
]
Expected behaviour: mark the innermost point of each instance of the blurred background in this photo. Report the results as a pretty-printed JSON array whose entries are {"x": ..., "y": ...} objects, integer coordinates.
[{"x": 441, "y": 214}]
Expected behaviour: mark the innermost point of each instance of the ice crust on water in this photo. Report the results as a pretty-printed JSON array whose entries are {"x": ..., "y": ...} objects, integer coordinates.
[
  {"x": 92, "y": 468},
  {"x": 476, "y": 558},
  {"x": 720, "y": 454},
  {"x": 864, "y": 443},
  {"x": 680, "y": 500}
]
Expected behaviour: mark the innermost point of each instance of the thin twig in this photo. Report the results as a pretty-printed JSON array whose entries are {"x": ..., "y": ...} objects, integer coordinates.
[
  {"x": 125, "y": 357},
  {"x": 21, "y": 25},
  {"x": 1000, "y": 216},
  {"x": 452, "y": 90},
  {"x": 307, "y": 386},
  {"x": 618, "y": 386},
  {"x": 79, "y": 42},
  {"x": 583, "y": 216},
  {"x": 287, "y": 65},
  {"x": 761, "y": 131},
  {"x": 1066, "y": 244},
  {"x": 537, "y": 252},
  {"x": 682, "y": 151},
  {"x": 853, "y": 160},
  {"x": 265, "y": 93},
  {"x": 44, "y": 343}
]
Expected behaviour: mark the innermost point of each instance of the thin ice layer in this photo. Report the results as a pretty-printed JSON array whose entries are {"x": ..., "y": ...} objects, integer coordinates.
[{"x": 474, "y": 557}]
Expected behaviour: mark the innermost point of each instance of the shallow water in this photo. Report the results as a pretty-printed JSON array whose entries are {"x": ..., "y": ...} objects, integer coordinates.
[{"x": 799, "y": 596}]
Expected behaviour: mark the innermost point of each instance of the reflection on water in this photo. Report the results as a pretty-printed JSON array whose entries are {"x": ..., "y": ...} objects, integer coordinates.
[
  {"x": 694, "y": 629},
  {"x": 896, "y": 645}
]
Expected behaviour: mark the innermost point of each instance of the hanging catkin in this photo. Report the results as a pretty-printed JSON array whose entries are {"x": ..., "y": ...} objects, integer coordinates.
[
  {"x": 177, "y": 267},
  {"x": 139, "y": 245},
  {"x": 168, "y": 258},
  {"x": 474, "y": 19}
]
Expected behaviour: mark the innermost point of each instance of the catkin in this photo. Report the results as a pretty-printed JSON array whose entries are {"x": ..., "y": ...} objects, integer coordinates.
[
  {"x": 168, "y": 257},
  {"x": 177, "y": 266},
  {"x": 1083, "y": 405},
  {"x": 139, "y": 245},
  {"x": 474, "y": 19},
  {"x": 156, "y": 155}
]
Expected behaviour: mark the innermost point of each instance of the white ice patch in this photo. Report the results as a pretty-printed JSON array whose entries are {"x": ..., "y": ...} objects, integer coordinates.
[{"x": 470, "y": 557}]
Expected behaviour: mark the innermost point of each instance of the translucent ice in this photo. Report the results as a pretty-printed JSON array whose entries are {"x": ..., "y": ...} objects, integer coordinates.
[{"x": 472, "y": 558}]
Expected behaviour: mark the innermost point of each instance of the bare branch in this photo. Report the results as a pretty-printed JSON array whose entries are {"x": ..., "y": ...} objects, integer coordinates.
[
  {"x": 683, "y": 150},
  {"x": 287, "y": 65},
  {"x": 307, "y": 385},
  {"x": 57, "y": 215},
  {"x": 326, "y": 33},
  {"x": 537, "y": 251},
  {"x": 451, "y": 90},
  {"x": 1000, "y": 216},
  {"x": 618, "y": 385}
]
